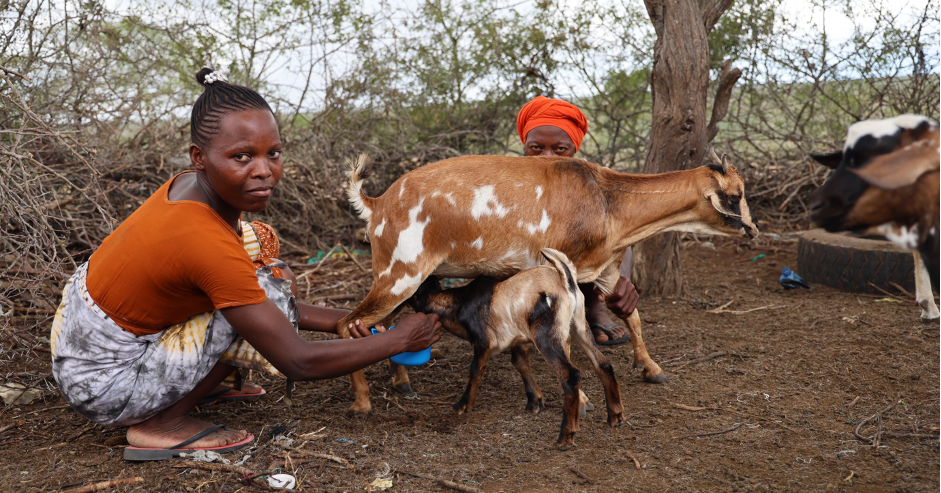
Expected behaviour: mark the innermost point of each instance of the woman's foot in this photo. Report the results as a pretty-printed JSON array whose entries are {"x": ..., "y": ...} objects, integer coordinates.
[
  {"x": 248, "y": 389},
  {"x": 166, "y": 433},
  {"x": 602, "y": 327}
]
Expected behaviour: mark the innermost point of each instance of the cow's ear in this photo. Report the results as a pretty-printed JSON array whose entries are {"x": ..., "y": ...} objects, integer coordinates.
[
  {"x": 831, "y": 160},
  {"x": 902, "y": 167}
]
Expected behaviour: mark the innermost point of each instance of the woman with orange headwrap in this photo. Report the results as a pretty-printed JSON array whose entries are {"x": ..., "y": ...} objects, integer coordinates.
[{"x": 550, "y": 127}]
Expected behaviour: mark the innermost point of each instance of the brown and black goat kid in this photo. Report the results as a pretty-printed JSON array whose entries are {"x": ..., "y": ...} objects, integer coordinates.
[
  {"x": 492, "y": 215},
  {"x": 540, "y": 305},
  {"x": 885, "y": 181}
]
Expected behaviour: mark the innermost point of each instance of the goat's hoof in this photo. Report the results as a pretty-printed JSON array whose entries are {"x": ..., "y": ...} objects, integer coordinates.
[
  {"x": 460, "y": 407},
  {"x": 534, "y": 407},
  {"x": 566, "y": 446},
  {"x": 364, "y": 410},
  {"x": 615, "y": 420},
  {"x": 658, "y": 378},
  {"x": 404, "y": 388}
]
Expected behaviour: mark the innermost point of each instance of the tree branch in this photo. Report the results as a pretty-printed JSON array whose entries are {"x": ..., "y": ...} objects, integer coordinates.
[{"x": 728, "y": 76}]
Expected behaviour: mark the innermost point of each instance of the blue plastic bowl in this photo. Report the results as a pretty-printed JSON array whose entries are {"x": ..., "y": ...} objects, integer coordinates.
[{"x": 409, "y": 358}]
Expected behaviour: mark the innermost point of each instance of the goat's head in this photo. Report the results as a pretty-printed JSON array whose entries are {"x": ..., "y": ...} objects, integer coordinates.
[
  {"x": 726, "y": 195},
  {"x": 832, "y": 203},
  {"x": 901, "y": 187}
]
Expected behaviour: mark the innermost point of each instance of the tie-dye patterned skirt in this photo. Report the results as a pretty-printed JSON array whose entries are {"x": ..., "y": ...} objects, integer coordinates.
[{"x": 112, "y": 376}]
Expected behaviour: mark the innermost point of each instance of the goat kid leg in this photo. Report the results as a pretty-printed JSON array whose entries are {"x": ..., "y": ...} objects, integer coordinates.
[
  {"x": 605, "y": 372},
  {"x": 477, "y": 368},
  {"x": 923, "y": 295},
  {"x": 557, "y": 355},
  {"x": 520, "y": 357},
  {"x": 642, "y": 361}
]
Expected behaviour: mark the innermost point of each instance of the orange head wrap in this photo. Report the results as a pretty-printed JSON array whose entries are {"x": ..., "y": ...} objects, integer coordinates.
[{"x": 554, "y": 112}]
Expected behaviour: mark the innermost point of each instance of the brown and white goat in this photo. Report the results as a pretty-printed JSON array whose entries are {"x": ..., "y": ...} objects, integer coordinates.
[
  {"x": 885, "y": 181},
  {"x": 492, "y": 215},
  {"x": 540, "y": 305}
]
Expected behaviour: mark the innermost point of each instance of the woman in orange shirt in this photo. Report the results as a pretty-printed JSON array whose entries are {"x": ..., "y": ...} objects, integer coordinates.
[
  {"x": 183, "y": 293},
  {"x": 550, "y": 127}
]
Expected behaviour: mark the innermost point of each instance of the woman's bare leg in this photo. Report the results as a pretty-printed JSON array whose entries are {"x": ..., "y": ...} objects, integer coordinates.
[{"x": 174, "y": 424}]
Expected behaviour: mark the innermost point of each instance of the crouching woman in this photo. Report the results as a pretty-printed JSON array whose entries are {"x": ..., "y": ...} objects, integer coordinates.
[{"x": 183, "y": 293}]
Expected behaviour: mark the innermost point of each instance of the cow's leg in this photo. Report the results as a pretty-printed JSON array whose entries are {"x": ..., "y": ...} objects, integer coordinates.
[
  {"x": 604, "y": 370},
  {"x": 923, "y": 295},
  {"x": 642, "y": 361},
  {"x": 520, "y": 358}
]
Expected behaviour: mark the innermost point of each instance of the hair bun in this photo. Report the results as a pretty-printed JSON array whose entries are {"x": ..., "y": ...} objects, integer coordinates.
[{"x": 206, "y": 76}]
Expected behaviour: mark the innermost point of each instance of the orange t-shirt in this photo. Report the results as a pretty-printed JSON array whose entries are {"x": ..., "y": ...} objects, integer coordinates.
[{"x": 168, "y": 261}]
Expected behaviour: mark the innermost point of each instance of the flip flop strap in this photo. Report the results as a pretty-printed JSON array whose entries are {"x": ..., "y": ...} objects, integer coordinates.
[{"x": 197, "y": 436}]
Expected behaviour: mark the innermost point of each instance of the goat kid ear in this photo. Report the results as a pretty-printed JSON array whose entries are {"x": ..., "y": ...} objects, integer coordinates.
[
  {"x": 831, "y": 160},
  {"x": 719, "y": 206},
  {"x": 901, "y": 168}
]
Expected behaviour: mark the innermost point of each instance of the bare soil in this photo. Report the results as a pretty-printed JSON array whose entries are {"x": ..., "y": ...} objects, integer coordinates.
[{"x": 763, "y": 400}]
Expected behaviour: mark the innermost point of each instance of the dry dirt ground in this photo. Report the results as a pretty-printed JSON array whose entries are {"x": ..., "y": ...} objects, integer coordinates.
[{"x": 811, "y": 390}]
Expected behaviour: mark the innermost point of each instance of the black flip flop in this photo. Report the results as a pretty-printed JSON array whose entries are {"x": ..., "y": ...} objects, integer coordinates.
[
  {"x": 607, "y": 330},
  {"x": 144, "y": 453}
]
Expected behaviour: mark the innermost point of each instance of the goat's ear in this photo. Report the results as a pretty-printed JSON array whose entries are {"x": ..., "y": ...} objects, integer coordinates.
[
  {"x": 903, "y": 167},
  {"x": 831, "y": 160},
  {"x": 720, "y": 206}
]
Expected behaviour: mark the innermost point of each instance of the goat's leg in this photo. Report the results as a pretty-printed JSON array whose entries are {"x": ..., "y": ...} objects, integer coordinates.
[
  {"x": 923, "y": 295},
  {"x": 400, "y": 380},
  {"x": 569, "y": 378},
  {"x": 520, "y": 357},
  {"x": 604, "y": 370},
  {"x": 642, "y": 361},
  {"x": 477, "y": 368},
  {"x": 374, "y": 308}
]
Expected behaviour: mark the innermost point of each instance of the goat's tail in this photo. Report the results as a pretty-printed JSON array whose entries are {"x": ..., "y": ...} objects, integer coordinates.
[
  {"x": 565, "y": 267},
  {"x": 358, "y": 171}
]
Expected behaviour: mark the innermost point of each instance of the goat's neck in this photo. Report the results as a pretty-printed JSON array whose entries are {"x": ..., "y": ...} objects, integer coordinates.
[{"x": 640, "y": 206}]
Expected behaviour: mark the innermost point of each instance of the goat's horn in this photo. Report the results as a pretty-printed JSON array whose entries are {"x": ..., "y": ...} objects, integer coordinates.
[{"x": 714, "y": 157}]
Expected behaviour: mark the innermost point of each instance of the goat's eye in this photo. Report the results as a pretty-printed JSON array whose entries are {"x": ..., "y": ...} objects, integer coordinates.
[{"x": 734, "y": 199}]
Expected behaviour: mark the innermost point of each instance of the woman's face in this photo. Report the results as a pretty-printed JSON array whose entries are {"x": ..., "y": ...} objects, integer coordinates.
[
  {"x": 548, "y": 141},
  {"x": 242, "y": 161}
]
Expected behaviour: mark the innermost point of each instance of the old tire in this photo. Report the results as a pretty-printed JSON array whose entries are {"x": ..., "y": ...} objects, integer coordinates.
[{"x": 850, "y": 264}]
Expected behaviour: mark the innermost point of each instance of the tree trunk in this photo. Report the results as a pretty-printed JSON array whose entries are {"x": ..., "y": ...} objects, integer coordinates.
[{"x": 680, "y": 132}]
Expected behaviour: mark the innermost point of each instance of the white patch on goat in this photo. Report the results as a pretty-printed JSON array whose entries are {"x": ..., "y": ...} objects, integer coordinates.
[
  {"x": 378, "y": 231},
  {"x": 903, "y": 236},
  {"x": 538, "y": 192},
  {"x": 538, "y": 228},
  {"x": 880, "y": 128},
  {"x": 697, "y": 228},
  {"x": 402, "y": 187},
  {"x": 447, "y": 196},
  {"x": 486, "y": 204},
  {"x": 478, "y": 243},
  {"x": 453, "y": 245},
  {"x": 405, "y": 282},
  {"x": 409, "y": 245}
]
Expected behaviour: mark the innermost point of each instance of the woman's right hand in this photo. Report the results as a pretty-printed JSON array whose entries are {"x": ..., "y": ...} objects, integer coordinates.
[{"x": 420, "y": 330}]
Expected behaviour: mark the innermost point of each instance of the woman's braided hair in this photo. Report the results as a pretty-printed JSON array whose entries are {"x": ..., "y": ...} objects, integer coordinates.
[{"x": 218, "y": 99}]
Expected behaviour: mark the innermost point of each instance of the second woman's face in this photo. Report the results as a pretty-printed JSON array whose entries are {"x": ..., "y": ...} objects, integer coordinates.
[
  {"x": 243, "y": 161},
  {"x": 548, "y": 141}
]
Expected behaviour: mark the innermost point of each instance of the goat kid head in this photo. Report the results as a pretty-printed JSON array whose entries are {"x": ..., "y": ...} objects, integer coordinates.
[
  {"x": 726, "y": 194},
  {"x": 833, "y": 203}
]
